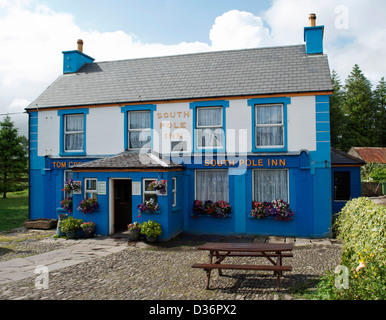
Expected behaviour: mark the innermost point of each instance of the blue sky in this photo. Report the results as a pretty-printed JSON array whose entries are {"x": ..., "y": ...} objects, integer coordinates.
[
  {"x": 168, "y": 22},
  {"x": 33, "y": 34}
]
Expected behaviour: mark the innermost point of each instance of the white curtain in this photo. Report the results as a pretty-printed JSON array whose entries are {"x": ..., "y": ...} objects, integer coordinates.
[
  {"x": 209, "y": 124},
  {"x": 139, "y": 128},
  {"x": 269, "y": 125},
  {"x": 140, "y": 120},
  {"x": 270, "y": 185},
  {"x": 212, "y": 185},
  {"x": 209, "y": 117},
  {"x": 74, "y": 133}
]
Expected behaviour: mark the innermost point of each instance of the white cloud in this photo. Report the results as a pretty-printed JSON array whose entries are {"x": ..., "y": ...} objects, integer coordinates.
[
  {"x": 237, "y": 30},
  {"x": 355, "y": 31}
]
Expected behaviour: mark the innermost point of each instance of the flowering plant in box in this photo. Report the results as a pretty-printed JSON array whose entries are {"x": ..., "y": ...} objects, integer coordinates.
[
  {"x": 88, "y": 205},
  {"x": 217, "y": 209},
  {"x": 277, "y": 209},
  {"x": 148, "y": 206},
  {"x": 282, "y": 210},
  {"x": 135, "y": 226},
  {"x": 201, "y": 207},
  {"x": 159, "y": 185},
  {"x": 221, "y": 209},
  {"x": 261, "y": 209},
  {"x": 71, "y": 185},
  {"x": 67, "y": 204},
  {"x": 86, "y": 225}
]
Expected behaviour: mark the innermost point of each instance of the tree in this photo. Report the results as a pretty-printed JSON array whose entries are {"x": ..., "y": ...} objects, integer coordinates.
[
  {"x": 359, "y": 111},
  {"x": 380, "y": 102},
  {"x": 336, "y": 112},
  {"x": 13, "y": 159}
]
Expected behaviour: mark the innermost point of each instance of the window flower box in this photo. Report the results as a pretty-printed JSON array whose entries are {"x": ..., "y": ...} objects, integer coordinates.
[
  {"x": 88, "y": 205},
  {"x": 277, "y": 209},
  {"x": 160, "y": 186},
  {"x": 218, "y": 209},
  {"x": 74, "y": 186},
  {"x": 149, "y": 206}
]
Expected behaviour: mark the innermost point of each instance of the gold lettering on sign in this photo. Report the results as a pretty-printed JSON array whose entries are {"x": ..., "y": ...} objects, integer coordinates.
[{"x": 247, "y": 162}]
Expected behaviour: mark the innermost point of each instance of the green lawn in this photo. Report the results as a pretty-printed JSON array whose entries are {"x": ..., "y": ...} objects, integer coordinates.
[{"x": 13, "y": 210}]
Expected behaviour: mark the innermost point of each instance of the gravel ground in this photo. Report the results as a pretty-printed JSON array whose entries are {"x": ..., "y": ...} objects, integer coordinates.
[{"x": 162, "y": 272}]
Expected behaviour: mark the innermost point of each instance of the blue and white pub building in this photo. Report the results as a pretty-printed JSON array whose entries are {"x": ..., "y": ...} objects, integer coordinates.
[{"x": 230, "y": 127}]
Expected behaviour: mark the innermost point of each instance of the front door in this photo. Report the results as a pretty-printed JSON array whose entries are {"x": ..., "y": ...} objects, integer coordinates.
[{"x": 122, "y": 204}]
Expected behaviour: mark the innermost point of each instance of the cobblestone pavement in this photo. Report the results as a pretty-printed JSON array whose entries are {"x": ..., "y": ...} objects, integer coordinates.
[{"x": 163, "y": 272}]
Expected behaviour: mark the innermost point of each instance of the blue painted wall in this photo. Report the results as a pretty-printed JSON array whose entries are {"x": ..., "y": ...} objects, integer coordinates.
[{"x": 355, "y": 186}]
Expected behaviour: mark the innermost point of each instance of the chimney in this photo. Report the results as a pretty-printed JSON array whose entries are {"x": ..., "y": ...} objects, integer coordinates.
[
  {"x": 80, "y": 45},
  {"x": 73, "y": 60},
  {"x": 311, "y": 17},
  {"x": 313, "y": 36}
]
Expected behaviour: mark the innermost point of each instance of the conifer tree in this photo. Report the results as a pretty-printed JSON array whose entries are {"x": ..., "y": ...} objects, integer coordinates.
[
  {"x": 359, "y": 111},
  {"x": 13, "y": 159},
  {"x": 380, "y": 120},
  {"x": 336, "y": 112}
]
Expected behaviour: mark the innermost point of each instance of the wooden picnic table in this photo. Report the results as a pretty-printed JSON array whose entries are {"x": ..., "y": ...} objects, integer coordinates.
[{"x": 222, "y": 250}]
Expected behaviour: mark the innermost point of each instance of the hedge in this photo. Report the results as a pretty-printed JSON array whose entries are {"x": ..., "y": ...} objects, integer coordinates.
[{"x": 361, "y": 225}]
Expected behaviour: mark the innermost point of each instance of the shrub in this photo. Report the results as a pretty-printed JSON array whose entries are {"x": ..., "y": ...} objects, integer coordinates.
[
  {"x": 361, "y": 226},
  {"x": 151, "y": 228},
  {"x": 70, "y": 224}
]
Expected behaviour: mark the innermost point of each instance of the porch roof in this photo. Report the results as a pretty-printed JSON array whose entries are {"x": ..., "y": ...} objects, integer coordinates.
[
  {"x": 340, "y": 158},
  {"x": 129, "y": 161}
]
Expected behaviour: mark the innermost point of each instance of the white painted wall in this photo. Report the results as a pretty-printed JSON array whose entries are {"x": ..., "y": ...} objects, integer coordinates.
[
  {"x": 48, "y": 133},
  {"x": 301, "y": 124},
  {"x": 174, "y": 121},
  {"x": 104, "y": 131}
]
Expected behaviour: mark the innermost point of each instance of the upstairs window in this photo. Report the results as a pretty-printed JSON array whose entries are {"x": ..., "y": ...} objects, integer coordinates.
[
  {"x": 269, "y": 126},
  {"x": 74, "y": 133},
  {"x": 139, "y": 126},
  {"x": 210, "y": 132}
]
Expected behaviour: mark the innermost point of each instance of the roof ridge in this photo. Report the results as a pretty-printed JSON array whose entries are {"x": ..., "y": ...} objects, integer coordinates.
[{"x": 200, "y": 53}]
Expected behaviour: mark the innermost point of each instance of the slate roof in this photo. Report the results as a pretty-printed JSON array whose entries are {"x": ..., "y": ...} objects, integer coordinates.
[
  {"x": 129, "y": 160},
  {"x": 342, "y": 158},
  {"x": 286, "y": 69}
]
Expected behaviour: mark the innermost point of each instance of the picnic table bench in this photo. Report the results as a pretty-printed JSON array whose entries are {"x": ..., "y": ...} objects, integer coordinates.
[{"x": 268, "y": 250}]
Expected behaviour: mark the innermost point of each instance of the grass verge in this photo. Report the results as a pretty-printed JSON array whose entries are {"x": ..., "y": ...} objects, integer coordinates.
[{"x": 13, "y": 210}]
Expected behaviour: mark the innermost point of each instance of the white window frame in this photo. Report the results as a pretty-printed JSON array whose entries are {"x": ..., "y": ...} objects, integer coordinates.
[
  {"x": 269, "y": 125},
  {"x": 135, "y": 130},
  {"x": 91, "y": 191},
  {"x": 253, "y": 182},
  {"x": 144, "y": 191},
  {"x": 67, "y": 194},
  {"x": 174, "y": 191},
  {"x": 220, "y": 126},
  {"x": 65, "y": 132}
]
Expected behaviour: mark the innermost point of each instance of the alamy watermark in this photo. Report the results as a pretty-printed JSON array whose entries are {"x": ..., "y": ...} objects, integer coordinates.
[
  {"x": 41, "y": 281},
  {"x": 341, "y": 280},
  {"x": 342, "y": 18}
]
